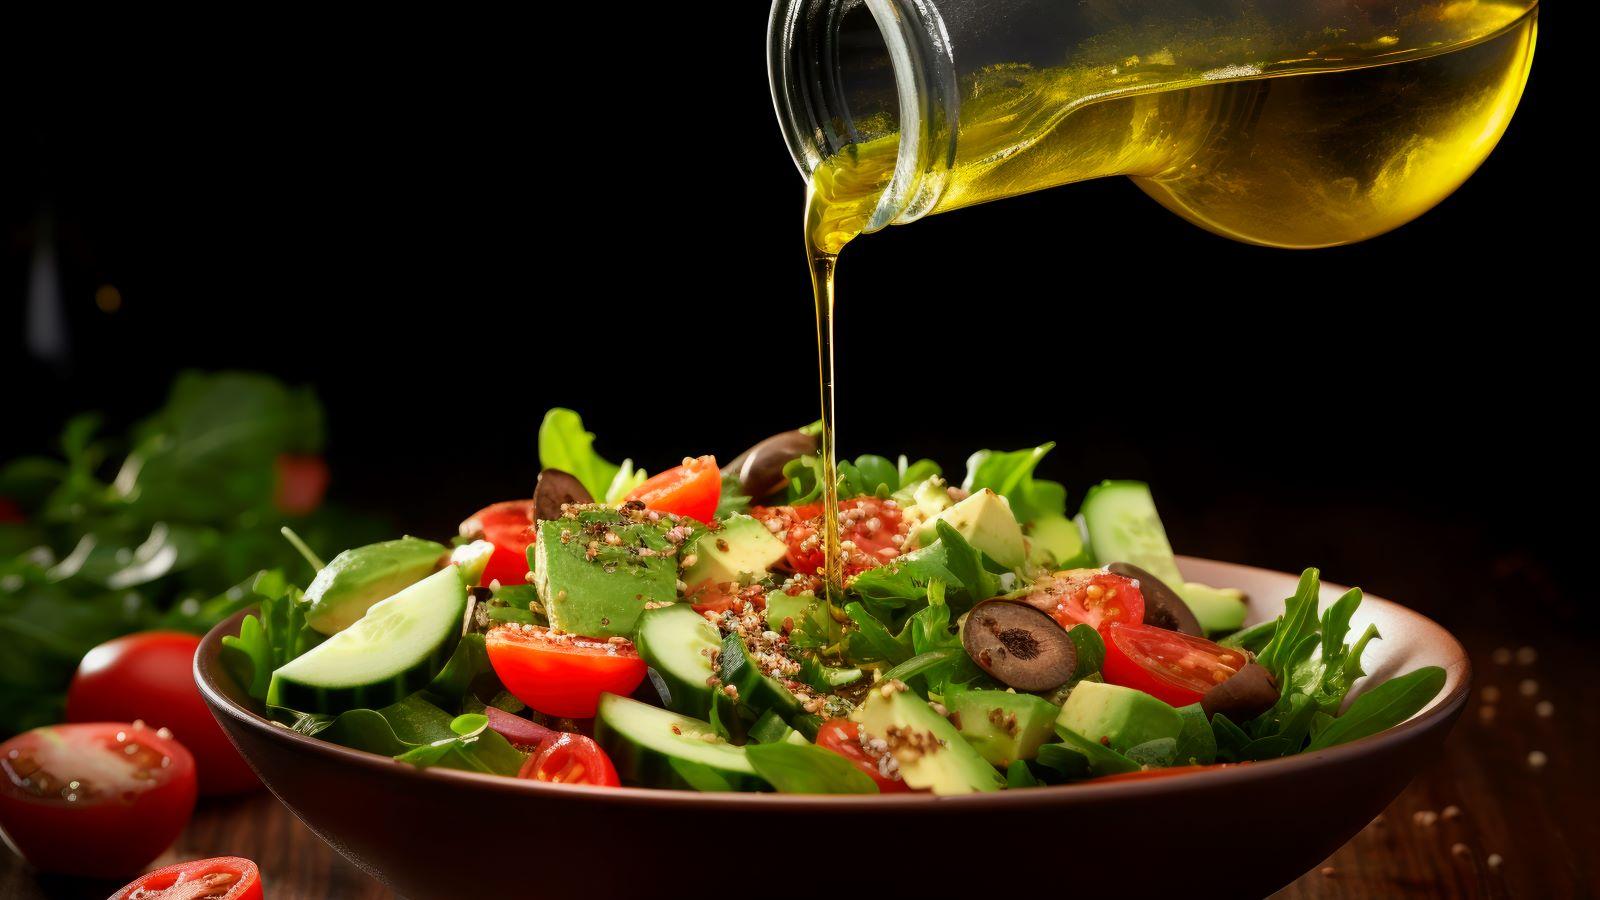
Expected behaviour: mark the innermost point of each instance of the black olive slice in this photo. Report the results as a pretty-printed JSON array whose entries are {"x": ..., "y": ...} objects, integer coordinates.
[
  {"x": 1163, "y": 607},
  {"x": 1019, "y": 645},
  {"x": 554, "y": 488},
  {"x": 760, "y": 469},
  {"x": 1249, "y": 693}
]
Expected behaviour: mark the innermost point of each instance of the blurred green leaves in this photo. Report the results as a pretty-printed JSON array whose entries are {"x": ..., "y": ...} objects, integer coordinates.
[{"x": 148, "y": 530}]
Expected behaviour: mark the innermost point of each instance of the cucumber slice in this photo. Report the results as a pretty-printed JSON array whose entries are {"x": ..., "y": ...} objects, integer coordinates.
[
  {"x": 389, "y": 653},
  {"x": 651, "y": 747},
  {"x": 1123, "y": 526},
  {"x": 757, "y": 692},
  {"x": 679, "y": 643}
]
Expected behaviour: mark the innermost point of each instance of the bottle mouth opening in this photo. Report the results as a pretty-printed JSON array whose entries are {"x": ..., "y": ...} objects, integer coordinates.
[{"x": 869, "y": 77}]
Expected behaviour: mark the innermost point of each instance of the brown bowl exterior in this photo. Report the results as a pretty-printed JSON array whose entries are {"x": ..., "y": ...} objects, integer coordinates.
[{"x": 1238, "y": 832}]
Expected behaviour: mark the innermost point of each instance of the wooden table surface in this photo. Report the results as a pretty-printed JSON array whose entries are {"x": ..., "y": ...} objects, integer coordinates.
[{"x": 1486, "y": 820}]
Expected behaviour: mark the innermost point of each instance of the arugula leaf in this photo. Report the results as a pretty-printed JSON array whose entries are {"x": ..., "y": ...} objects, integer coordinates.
[
  {"x": 1018, "y": 775},
  {"x": 1197, "y": 742},
  {"x": 1253, "y": 638},
  {"x": 1102, "y": 759},
  {"x": 1231, "y": 739},
  {"x": 1091, "y": 651},
  {"x": 867, "y": 475},
  {"x": 912, "y": 473},
  {"x": 276, "y": 633},
  {"x": 473, "y": 746},
  {"x": 1299, "y": 621},
  {"x": 1010, "y": 474},
  {"x": 1064, "y": 761},
  {"x": 1385, "y": 706},
  {"x": 807, "y": 769},
  {"x": 565, "y": 445},
  {"x": 624, "y": 482},
  {"x": 871, "y": 641}
]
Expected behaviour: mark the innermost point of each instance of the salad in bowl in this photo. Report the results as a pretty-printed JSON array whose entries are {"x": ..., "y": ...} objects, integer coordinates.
[{"x": 676, "y": 631}]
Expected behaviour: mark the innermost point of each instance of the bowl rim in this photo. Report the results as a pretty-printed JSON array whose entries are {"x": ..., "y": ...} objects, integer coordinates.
[{"x": 1442, "y": 712}]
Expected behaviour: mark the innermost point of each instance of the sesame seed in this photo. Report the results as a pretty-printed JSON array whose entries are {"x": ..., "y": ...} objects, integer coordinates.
[
  {"x": 1496, "y": 860},
  {"x": 1491, "y": 694},
  {"x": 1526, "y": 656},
  {"x": 1328, "y": 871},
  {"x": 1451, "y": 812},
  {"x": 1501, "y": 656},
  {"x": 1486, "y": 713},
  {"x": 1459, "y": 849},
  {"x": 1424, "y": 817},
  {"x": 1545, "y": 709},
  {"x": 1528, "y": 687},
  {"x": 1537, "y": 760}
]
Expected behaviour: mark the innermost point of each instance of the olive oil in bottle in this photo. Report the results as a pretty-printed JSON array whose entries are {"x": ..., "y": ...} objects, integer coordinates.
[{"x": 1307, "y": 138}]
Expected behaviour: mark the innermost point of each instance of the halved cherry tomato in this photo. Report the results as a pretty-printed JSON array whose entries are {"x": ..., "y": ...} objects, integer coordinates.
[
  {"x": 1089, "y": 597},
  {"x": 302, "y": 480},
  {"x": 509, "y": 526},
  {"x": 149, "y": 676},
  {"x": 1148, "y": 774},
  {"x": 562, "y": 674},
  {"x": 874, "y": 526},
  {"x": 692, "y": 489},
  {"x": 1168, "y": 665},
  {"x": 843, "y": 737},
  {"x": 98, "y": 799},
  {"x": 567, "y": 758},
  {"x": 218, "y": 878}
]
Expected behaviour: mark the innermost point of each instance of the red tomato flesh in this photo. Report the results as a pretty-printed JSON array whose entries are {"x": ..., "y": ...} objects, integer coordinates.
[
  {"x": 1170, "y": 666},
  {"x": 562, "y": 674},
  {"x": 149, "y": 676},
  {"x": 693, "y": 489},
  {"x": 567, "y": 758},
  {"x": 1089, "y": 597},
  {"x": 510, "y": 527},
  {"x": 218, "y": 878},
  {"x": 843, "y": 737},
  {"x": 875, "y": 526},
  {"x": 98, "y": 799}
]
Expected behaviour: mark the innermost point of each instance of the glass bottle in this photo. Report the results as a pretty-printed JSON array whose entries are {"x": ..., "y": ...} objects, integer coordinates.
[{"x": 1291, "y": 123}]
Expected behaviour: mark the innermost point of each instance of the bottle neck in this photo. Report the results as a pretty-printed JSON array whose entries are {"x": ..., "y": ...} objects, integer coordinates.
[{"x": 865, "y": 90}]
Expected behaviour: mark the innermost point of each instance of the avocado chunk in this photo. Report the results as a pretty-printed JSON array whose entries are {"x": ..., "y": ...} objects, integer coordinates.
[
  {"x": 1056, "y": 542},
  {"x": 359, "y": 577},
  {"x": 985, "y": 520},
  {"x": 1217, "y": 609},
  {"x": 739, "y": 552},
  {"x": 597, "y": 568},
  {"x": 930, "y": 752},
  {"x": 1117, "y": 717},
  {"x": 1003, "y": 727}
]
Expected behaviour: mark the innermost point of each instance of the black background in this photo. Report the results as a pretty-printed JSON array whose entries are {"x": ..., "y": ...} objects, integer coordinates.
[{"x": 447, "y": 228}]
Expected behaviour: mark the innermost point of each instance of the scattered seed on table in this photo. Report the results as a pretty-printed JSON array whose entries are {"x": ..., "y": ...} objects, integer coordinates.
[
  {"x": 1425, "y": 817},
  {"x": 1451, "y": 812},
  {"x": 1545, "y": 709},
  {"x": 1379, "y": 820},
  {"x": 1502, "y": 655},
  {"x": 1526, "y": 656},
  {"x": 1537, "y": 759},
  {"x": 1486, "y": 713},
  {"x": 1459, "y": 849},
  {"x": 1329, "y": 871},
  {"x": 1528, "y": 687},
  {"x": 1496, "y": 860},
  {"x": 1491, "y": 694}
]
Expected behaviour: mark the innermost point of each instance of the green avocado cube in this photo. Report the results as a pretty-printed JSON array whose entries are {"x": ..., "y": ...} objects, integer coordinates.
[
  {"x": 741, "y": 551},
  {"x": 596, "y": 569},
  {"x": 1002, "y": 726},
  {"x": 1117, "y": 717}
]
